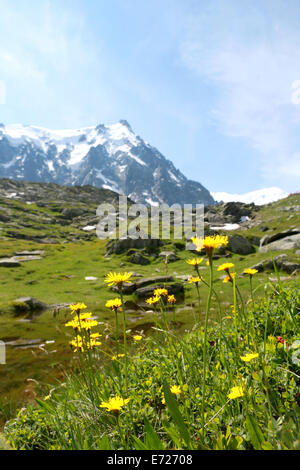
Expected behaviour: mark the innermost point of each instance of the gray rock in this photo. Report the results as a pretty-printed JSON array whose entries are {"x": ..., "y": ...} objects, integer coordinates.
[
  {"x": 240, "y": 245},
  {"x": 144, "y": 292},
  {"x": 9, "y": 263},
  {"x": 72, "y": 212},
  {"x": 170, "y": 255},
  {"x": 279, "y": 236},
  {"x": 287, "y": 243},
  {"x": 32, "y": 303},
  {"x": 138, "y": 258}
]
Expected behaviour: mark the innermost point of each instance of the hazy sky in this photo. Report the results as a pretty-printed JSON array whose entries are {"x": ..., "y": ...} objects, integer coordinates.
[{"x": 213, "y": 84}]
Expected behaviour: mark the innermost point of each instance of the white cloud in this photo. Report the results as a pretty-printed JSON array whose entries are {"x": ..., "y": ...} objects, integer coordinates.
[{"x": 256, "y": 77}]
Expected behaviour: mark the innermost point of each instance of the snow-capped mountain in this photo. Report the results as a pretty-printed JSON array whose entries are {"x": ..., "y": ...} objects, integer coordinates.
[
  {"x": 105, "y": 156},
  {"x": 259, "y": 197}
]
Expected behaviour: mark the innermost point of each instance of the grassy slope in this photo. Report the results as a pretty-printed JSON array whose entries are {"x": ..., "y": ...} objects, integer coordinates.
[{"x": 60, "y": 278}]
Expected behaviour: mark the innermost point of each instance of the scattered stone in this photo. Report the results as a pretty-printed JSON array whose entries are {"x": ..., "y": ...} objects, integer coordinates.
[
  {"x": 91, "y": 278},
  {"x": 263, "y": 228}
]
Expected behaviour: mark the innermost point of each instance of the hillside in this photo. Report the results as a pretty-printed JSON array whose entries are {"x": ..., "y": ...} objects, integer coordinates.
[{"x": 46, "y": 253}]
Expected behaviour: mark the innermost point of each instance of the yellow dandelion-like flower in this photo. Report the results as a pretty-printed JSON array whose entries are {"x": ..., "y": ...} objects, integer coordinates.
[
  {"x": 114, "y": 404},
  {"x": 114, "y": 358},
  {"x": 249, "y": 357},
  {"x": 137, "y": 338},
  {"x": 194, "y": 261},
  {"x": 236, "y": 392},
  {"x": 210, "y": 243},
  {"x": 114, "y": 304},
  {"x": 153, "y": 300},
  {"x": 160, "y": 292},
  {"x": 229, "y": 277},
  {"x": 250, "y": 271},
  {"x": 171, "y": 299},
  {"x": 176, "y": 390},
  {"x": 195, "y": 280},
  {"x": 225, "y": 267},
  {"x": 117, "y": 279},
  {"x": 77, "y": 307}
]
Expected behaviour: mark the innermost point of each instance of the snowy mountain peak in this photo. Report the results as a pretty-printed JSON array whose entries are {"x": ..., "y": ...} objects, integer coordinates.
[
  {"x": 259, "y": 197},
  {"x": 105, "y": 156}
]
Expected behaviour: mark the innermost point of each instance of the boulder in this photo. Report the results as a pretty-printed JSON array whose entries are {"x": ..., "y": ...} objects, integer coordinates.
[
  {"x": 9, "y": 263},
  {"x": 289, "y": 242},
  {"x": 72, "y": 212},
  {"x": 138, "y": 258},
  {"x": 32, "y": 303},
  {"x": 144, "y": 292},
  {"x": 240, "y": 245},
  {"x": 123, "y": 245}
]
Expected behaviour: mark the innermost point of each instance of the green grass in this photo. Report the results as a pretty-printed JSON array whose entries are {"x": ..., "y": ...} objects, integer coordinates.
[{"x": 264, "y": 417}]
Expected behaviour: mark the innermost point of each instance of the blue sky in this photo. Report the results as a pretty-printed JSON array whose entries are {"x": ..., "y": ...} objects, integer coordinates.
[{"x": 213, "y": 84}]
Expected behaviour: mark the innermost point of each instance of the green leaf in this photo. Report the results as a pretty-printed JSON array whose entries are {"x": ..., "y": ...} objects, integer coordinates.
[
  {"x": 176, "y": 415},
  {"x": 152, "y": 440},
  {"x": 255, "y": 433},
  {"x": 139, "y": 445}
]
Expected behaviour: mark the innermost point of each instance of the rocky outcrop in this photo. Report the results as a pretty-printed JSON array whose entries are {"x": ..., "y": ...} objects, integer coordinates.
[{"x": 285, "y": 240}]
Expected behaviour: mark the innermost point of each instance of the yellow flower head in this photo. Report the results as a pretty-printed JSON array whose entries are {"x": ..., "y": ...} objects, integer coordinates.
[
  {"x": 194, "y": 261},
  {"x": 77, "y": 307},
  {"x": 114, "y": 358},
  {"x": 117, "y": 279},
  {"x": 249, "y": 357},
  {"x": 210, "y": 243},
  {"x": 235, "y": 392},
  {"x": 114, "y": 404},
  {"x": 153, "y": 300},
  {"x": 171, "y": 299},
  {"x": 225, "y": 267},
  {"x": 176, "y": 390},
  {"x": 229, "y": 277},
  {"x": 159, "y": 292},
  {"x": 137, "y": 338},
  {"x": 250, "y": 271},
  {"x": 195, "y": 280},
  {"x": 114, "y": 304}
]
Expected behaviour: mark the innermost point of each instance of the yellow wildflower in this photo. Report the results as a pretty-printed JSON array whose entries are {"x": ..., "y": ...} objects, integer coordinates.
[
  {"x": 77, "y": 307},
  {"x": 114, "y": 404},
  {"x": 176, "y": 390},
  {"x": 225, "y": 267},
  {"x": 210, "y": 243},
  {"x": 195, "y": 280},
  {"x": 159, "y": 292},
  {"x": 117, "y": 279},
  {"x": 235, "y": 392},
  {"x": 137, "y": 338},
  {"x": 171, "y": 299},
  {"x": 249, "y": 357},
  {"x": 250, "y": 271},
  {"x": 152, "y": 300},
  {"x": 229, "y": 277},
  {"x": 114, "y": 304},
  {"x": 194, "y": 261}
]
